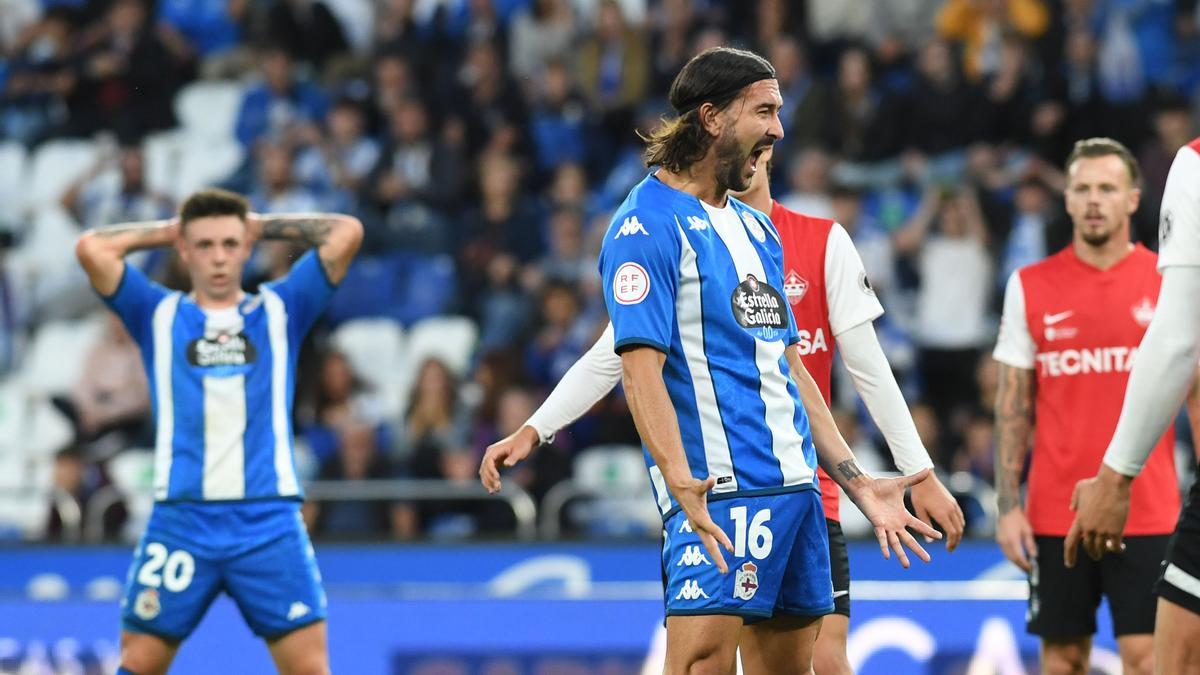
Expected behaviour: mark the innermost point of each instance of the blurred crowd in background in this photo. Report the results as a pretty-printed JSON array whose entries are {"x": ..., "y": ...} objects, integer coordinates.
[{"x": 484, "y": 143}]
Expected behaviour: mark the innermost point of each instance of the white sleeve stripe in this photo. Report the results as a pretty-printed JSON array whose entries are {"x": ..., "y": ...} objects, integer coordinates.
[{"x": 850, "y": 301}]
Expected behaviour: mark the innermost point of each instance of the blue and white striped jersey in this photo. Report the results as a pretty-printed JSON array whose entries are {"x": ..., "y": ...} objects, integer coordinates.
[
  {"x": 702, "y": 285},
  {"x": 222, "y": 382}
]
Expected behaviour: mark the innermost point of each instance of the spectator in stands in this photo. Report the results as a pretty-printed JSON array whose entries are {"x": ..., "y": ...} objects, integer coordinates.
[
  {"x": 898, "y": 29},
  {"x": 566, "y": 260},
  {"x": 870, "y": 238},
  {"x": 75, "y": 480},
  {"x": 111, "y": 394},
  {"x": 561, "y": 337},
  {"x": 359, "y": 458},
  {"x": 96, "y": 199},
  {"x": 342, "y": 400},
  {"x": 929, "y": 431},
  {"x": 493, "y": 109},
  {"x": 338, "y": 159},
  {"x": 280, "y": 106},
  {"x": 808, "y": 184},
  {"x": 976, "y": 455},
  {"x": 308, "y": 30},
  {"x": 431, "y": 441},
  {"x": 548, "y": 466},
  {"x": 948, "y": 239},
  {"x": 538, "y": 33},
  {"x": 39, "y": 78},
  {"x": 865, "y": 126},
  {"x": 672, "y": 23},
  {"x": 127, "y": 75},
  {"x": 614, "y": 68},
  {"x": 1009, "y": 97},
  {"x": 980, "y": 25},
  {"x": 276, "y": 189},
  {"x": 942, "y": 113},
  {"x": 212, "y": 31},
  {"x": 1032, "y": 214},
  {"x": 558, "y": 121},
  {"x": 1173, "y": 129},
  {"x": 392, "y": 83}
]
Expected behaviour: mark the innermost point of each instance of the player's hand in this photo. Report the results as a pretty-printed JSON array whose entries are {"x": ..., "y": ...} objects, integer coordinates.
[
  {"x": 506, "y": 453},
  {"x": 1015, "y": 536},
  {"x": 1101, "y": 506},
  {"x": 882, "y": 501},
  {"x": 693, "y": 501},
  {"x": 933, "y": 503},
  {"x": 254, "y": 226}
]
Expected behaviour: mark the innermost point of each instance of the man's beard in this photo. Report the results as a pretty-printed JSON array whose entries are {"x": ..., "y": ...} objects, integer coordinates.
[
  {"x": 1098, "y": 239},
  {"x": 730, "y": 161}
]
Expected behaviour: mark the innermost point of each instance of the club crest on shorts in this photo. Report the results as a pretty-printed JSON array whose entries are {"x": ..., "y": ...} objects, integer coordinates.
[
  {"x": 745, "y": 582},
  {"x": 146, "y": 607},
  {"x": 754, "y": 226}
]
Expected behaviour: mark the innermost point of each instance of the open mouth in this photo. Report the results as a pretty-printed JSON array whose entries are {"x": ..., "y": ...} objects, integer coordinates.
[{"x": 755, "y": 155}]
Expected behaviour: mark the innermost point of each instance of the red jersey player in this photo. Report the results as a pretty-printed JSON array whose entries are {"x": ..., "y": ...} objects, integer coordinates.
[
  {"x": 1156, "y": 388},
  {"x": 1069, "y": 334},
  {"x": 833, "y": 302}
]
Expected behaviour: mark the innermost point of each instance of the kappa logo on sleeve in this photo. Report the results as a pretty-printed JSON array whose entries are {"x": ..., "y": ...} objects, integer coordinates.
[
  {"x": 631, "y": 284},
  {"x": 629, "y": 227}
]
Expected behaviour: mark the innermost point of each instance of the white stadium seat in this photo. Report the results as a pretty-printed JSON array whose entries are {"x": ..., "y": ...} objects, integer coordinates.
[
  {"x": 203, "y": 163},
  {"x": 163, "y": 153},
  {"x": 375, "y": 349},
  {"x": 57, "y": 353},
  {"x": 54, "y": 166},
  {"x": 12, "y": 182},
  {"x": 450, "y": 339},
  {"x": 208, "y": 109}
]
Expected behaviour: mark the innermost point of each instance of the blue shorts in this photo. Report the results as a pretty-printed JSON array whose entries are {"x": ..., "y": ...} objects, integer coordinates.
[
  {"x": 780, "y": 563},
  {"x": 258, "y": 552}
]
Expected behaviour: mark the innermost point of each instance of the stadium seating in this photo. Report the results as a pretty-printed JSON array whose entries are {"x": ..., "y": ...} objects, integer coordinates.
[
  {"x": 12, "y": 182},
  {"x": 613, "y": 480},
  {"x": 208, "y": 109},
  {"x": 403, "y": 286},
  {"x": 375, "y": 350},
  {"x": 204, "y": 161},
  {"x": 53, "y": 167},
  {"x": 450, "y": 339}
]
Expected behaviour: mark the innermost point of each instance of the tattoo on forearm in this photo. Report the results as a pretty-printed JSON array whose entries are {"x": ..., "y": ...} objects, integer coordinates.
[
  {"x": 1014, "y": 419},
  {"x": 140, "y": 230},
  {"x": 313, "y": 231},
  {"x": 849, "y": 469}
]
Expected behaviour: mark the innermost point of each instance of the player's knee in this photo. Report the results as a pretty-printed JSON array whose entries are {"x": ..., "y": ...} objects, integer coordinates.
[
  {"x": 316, "y": 665},
  {"x": 1138, "y": 664},
  {"x": 1065, "y": 658},
  {"x": 712, "y": 664},
  {"x": 140, "y": 656},
  {"x": 831, "y": 661}
]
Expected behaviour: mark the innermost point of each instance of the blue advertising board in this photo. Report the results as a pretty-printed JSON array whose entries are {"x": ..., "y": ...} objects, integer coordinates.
[{"x": 417, "y": 610}]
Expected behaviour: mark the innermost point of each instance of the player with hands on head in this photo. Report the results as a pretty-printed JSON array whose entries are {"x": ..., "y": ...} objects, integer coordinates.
[
  {"x": 221, "y": 364},
  {"x": 830, "y": 297},
  {"x": 707, "y": 345},
  {"x": 1107, "y": 503}
]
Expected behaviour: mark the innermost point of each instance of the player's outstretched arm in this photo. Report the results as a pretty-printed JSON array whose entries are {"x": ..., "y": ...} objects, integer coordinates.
[
  {"x": 1014, "y": 423},
  {"x": 880, "y": 499},
  {"x": 875, "y": 383},
  {"x": 584, "y": 384},
  {"x": 657, "y": 424},
  {"x": 101, "y": 251},
  {"x": 335, "y": 236},
  {"x": 1161, "y": 374}
]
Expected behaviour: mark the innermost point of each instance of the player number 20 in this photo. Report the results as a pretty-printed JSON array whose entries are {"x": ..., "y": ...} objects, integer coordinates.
[
  {"x": 758, "y": 535},
  {"x": 177, "y": 568}
]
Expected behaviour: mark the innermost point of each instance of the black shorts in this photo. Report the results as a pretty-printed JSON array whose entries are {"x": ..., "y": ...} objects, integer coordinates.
[
  {"x": 839, "y": 568},
  {"x": 1063, "y": 602},
  {"x": 1179, "y": 581}
]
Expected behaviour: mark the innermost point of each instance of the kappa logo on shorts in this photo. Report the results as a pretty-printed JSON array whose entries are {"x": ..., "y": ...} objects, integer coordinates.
[
  {"x": 298, "y": 610},
  {"x": 685, "y": 526},
  {"x": 691, "y": 591},
  {"x": 745, "y": 582},
  {"x": 692, "y": 556},
  {"x": 146, "y": 606}
]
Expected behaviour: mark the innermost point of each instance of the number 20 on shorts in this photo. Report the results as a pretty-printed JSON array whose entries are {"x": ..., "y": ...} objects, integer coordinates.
[
  {"x": 757, "y": 536},
  {"x": 177, "y": 568}
]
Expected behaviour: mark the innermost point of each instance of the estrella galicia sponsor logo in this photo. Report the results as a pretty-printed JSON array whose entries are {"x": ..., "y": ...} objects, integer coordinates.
[
  {"x": 760, "y": 309},
  {"x": 231, "y": 352}
]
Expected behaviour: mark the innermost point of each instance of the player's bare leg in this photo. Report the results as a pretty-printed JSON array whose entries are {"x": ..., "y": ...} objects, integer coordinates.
[
  {"x": 1176, "y": 640},
  {"x": 1137, "y": 654},
  {"x": 780, "y": 646},
  {"x": 302, "y": 651},
  {"x": 146, "y": 654},
  {"x": 1067, "y": 656},
  {"x": 829, "y": 654},
  {"x": 702, "y": 645}
]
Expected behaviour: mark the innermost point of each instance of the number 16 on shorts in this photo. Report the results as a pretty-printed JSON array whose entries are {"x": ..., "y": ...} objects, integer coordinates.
[{"x": 766, "y": 532}]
